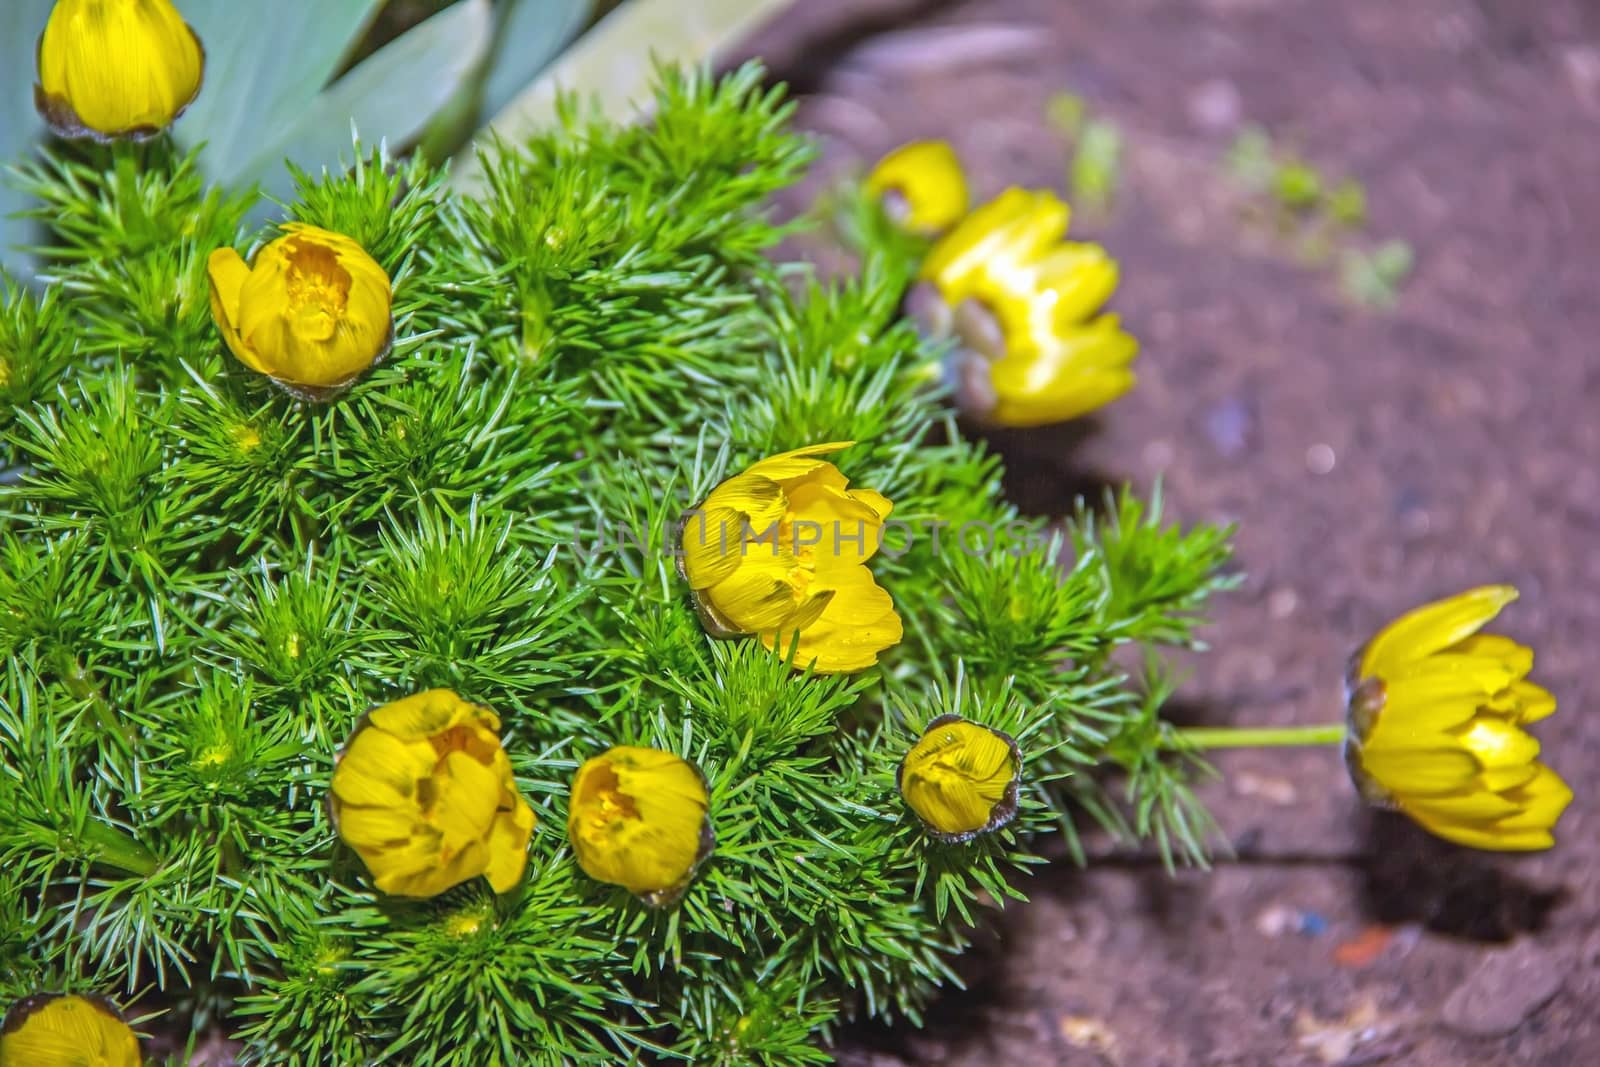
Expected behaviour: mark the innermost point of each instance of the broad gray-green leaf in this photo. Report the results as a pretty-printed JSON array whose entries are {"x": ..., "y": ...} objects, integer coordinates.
[
  {"x": 531, "y": 33},
  {"x": 21, "y": 22},
  {"x": 391, "y": 96},
  {"x": 611, "y": 65},
  {"x": 266, "y": 61}
]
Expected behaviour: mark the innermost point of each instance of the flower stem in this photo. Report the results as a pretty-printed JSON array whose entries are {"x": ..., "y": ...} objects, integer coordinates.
[
  {"x": 115, "y": 848},
  {"x": 1331, "y": 733}
]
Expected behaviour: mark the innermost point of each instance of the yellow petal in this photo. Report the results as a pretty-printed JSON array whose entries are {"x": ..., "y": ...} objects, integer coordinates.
[
  {"x": 1420, "y": 771},
  {"x": 1476, "y": 806},
  {"x": 421, "y": 872},
  {"x": 637, "y": 819},
  {"x": 380, "y": 769},
  {"x": 227, "y": 273},
  {"x": 423, "y": 715},
  {"x": 1431, "y": 628},
  {"x": 1541, "y": 801},
  {"x": 1515, "y": 659},
  {"x": 1076, "y": 371},
  {"x": 1488, "y": 836},
  {"x": 508, "y": 846},
  {"x": 1017, "y": 225},
  {"x": 365, "y": 827},
  {"x": 1498, "y": 743},
  {"x": 66, "y": 1031},
  {"x": 858, "y": 624},
  {"x": 958, "y": 776},
  {"x": 796, "y": 464},
  {"x": 759, "y": 595},
  {"x": 126, "y": 67},
  {"x": 1501, "y": 779},
  {"x": 467, "y": 795},
  {"x": 1049, "y": 295},
  {"x": 1524, "y": 702},
  {"x": 928, "y": 184}
]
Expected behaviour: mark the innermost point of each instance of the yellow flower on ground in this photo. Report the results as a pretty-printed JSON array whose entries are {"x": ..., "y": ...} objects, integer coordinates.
[
  {"x": 961, "y": 778},
  {"x": 781, "y": 550},
  {"x": 921, "y": 186},
  {"x": 116, "y": 68},
  {"x": 312, "y": 312},
  {"x": 51, "y": 1030},
  {"x": 638, "y": 819},
  {"x": 1026, "y": 303},
  {"x": 1436, "y": 714},
  {"x": 424, "y": 794}
]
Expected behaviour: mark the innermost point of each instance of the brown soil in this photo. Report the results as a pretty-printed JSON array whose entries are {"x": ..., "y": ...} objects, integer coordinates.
[{"x": 1371, "y": 459}]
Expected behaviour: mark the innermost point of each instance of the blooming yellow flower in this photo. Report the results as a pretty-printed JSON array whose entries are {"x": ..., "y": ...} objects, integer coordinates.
[
  {"x": 312, "y": 313},
  {"x": 1026, "y": 302},
  {"x": 638, "y": 819},
  {"x": 921, "y": 186},
  {"x": 116, "y": 68},
  {"x": 424, "y": 794},
  {"x": 961, "y": 778},
  {"x": 51, "y": 1030},
  {"x": 782, "y": 549},
  {"x": 1436, "y": 714}
]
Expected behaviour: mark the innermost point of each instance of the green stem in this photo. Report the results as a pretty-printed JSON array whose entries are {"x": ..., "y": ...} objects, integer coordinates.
[
  {"x": 1331, "y": 733},
  {"x": 114, "y": 848}
]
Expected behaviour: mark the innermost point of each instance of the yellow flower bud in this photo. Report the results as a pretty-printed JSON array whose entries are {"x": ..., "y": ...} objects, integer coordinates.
[
  {"x": 782, "y": 549},
  {"x": 1436, "y": 713},
  {"x": 424, "y": 794},
  {"x": 921, "y": 186},
  {"x": 1026, "y": 303},
  {"x": 638, "y": 819},
  {"x": 961, "y": 778},
  {"x": 312, "y": 312},
  {"x": 116, "y": 68},
  {"x": 52, "y": 1030}
]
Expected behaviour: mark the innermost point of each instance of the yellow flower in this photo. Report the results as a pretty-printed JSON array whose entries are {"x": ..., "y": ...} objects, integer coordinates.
[
  {"x": 1027, "y": 303},
  {"x": 1436, "y": 714},
  {"x": 51, "y": 1030},
  {"x": 962, "y": 777},
  {"x": 424, "y": 794},
  {"x": 312, "y": 313},
  {"x": 638, "y": 819},
  {"x": 921, "y": 186},
  {"x": 782, "y": 549},
  {"x": 116, "y": 68}
]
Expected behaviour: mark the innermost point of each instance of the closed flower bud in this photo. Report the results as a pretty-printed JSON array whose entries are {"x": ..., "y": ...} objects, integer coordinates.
[
  {"x": 638, "y": 819},
  {"x": 781, "y": 550},
  {"x": 921, "y": 186},
  {"x": 116, "y": 68},
  {"x": 1026, "y": 304},
  {"x": 312, "y": 312},
  {"x": 961, "y": 778},
  {"x": 52, "y": 1030},
  {"x": 1436, "y": 713},
  {"x": 424, "y": 794}
]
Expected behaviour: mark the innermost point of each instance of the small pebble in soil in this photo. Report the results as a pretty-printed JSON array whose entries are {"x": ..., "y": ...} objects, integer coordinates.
[
  {"x": 1320, "y": 458},
  {"x": 1281, "y": 919},
  {"x": 1364, "y": 948},
  {"x": 1158, "y": 455},
  {"x": 1087, "y": 1032},
  {"x": 1215, "y": 105},
  {"x": 1271, "y": 788},
  {"x": 1282, "y": 603},
  {"x": 1508, "y": 986},
  {"x": 1231, "y": 426}
]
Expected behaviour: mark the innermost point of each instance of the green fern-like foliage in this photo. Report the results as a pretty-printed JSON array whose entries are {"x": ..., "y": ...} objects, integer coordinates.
[{"x": 204, "y": 583}]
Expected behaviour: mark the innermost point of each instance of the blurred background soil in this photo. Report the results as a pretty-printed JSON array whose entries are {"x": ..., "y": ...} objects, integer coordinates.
[{"x": 1372, "y": 459}]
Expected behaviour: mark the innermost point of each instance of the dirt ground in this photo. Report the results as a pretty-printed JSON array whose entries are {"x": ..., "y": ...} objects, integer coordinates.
[{"x": 1372, "y": 460}]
